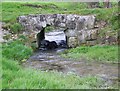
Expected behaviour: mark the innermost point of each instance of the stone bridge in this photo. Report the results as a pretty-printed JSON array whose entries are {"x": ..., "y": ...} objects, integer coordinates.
[{"x": 78, "y": 29}]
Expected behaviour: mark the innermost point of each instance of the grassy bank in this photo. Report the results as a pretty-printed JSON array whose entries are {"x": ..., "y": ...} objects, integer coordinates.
[
  {"x": 16, "y": 50},
  {"x": 15, "y": 9},
  {"x": 12, "y": 10},
  {"x": 14, "y": 76},
  {"x": 22, "y": 8},
  {"x": 94, "y": 53}
]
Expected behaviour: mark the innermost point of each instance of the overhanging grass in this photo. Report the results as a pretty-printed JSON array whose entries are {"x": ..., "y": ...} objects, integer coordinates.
[
  {"x": 16, "y": 77},
  {"x": 96, "y": 53}
]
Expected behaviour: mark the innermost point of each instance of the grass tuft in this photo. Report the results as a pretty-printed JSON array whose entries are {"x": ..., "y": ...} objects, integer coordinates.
[
  {"x": 96, "y": 53},
  {"x": 16, "y": 50},
  {"x": 16, "y": 28}
]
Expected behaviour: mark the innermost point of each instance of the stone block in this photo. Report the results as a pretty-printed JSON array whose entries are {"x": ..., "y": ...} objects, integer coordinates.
[{"x": 72, "y": 42}]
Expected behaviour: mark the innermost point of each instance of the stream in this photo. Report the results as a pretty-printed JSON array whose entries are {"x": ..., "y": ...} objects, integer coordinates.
[{"x": 50, "y": 60}]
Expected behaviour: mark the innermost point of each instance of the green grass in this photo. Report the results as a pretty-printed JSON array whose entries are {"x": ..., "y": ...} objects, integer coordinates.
[
  {"x": 16, "y": 28},
  {"x": 16, "y": 77},
  {"x": 16, "y": 50},
  {"x": 94, "y": 53},
  {"x": 12, "y": 10}
]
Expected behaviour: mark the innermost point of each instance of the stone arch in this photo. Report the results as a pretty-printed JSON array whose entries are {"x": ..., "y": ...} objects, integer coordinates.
[
  {"x": 41, "y": 35},
  {"x": 77, "y": 28}
]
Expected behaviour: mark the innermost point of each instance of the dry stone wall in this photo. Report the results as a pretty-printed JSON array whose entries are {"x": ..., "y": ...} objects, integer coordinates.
[{"x": 78, "y": 29}]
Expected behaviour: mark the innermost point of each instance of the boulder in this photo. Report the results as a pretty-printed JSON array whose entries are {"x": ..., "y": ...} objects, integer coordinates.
[{"x": 47, "y": 45}]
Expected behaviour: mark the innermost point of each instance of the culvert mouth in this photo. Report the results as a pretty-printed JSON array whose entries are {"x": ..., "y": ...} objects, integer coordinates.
[{"x": 51, "y": 40}]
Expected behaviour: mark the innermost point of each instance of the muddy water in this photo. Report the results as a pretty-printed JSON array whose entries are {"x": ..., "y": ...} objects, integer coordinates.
[{"x": 52, "y": 61}]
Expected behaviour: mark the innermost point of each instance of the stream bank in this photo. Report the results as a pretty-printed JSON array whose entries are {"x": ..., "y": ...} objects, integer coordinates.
[{"x": 52, "y": 61}]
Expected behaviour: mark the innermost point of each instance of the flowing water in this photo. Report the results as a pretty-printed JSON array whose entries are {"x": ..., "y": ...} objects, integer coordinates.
[{"x": 51, "y": 61}]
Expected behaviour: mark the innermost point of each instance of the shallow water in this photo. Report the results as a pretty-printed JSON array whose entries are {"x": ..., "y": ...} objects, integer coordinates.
[{"x": 51, "y": 61}]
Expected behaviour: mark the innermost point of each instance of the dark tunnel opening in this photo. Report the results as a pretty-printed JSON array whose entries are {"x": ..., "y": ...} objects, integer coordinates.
[{"x": 51, "y": 40}]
